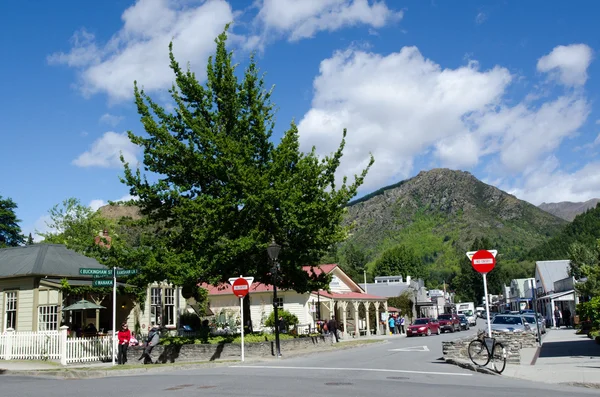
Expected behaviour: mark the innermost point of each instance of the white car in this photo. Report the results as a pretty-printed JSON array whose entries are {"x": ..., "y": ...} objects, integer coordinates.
[{"x": 510, "y": 323}]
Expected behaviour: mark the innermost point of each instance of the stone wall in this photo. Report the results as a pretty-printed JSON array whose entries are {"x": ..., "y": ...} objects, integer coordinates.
[
  {"x": 513, "y": 342},
  {"x": 228, "y": 351}
]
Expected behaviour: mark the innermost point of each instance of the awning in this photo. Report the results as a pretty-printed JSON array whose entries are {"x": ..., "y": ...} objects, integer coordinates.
[{"x": 559, "y": 296}]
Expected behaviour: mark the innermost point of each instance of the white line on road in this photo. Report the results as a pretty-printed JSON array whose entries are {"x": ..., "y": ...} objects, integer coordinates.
[
  {"x": 411, "y": 349},
  {"x": 351, "y": 369}
]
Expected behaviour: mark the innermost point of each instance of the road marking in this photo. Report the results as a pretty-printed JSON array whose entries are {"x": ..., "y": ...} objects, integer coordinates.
[
  {"x": 411, "y": 349},
  {"x": 401, "y": 371}
]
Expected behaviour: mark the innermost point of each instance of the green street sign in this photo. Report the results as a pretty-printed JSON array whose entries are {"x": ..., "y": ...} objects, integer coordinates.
[
  {"x": 126, "y": 272},
  {"x": 102, "y": 276},
  {"x": 95, "y": 272},
  {"x": 102, "y": 283}
]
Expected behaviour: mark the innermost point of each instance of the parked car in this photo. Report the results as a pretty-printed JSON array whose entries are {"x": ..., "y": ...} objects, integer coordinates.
[
  {"x": 510, "y": 323},
  {"x": 423, "y": 326},
  {"x": 530, "y": 319},
  {"x": 449, "y": 322},
  {"x": 464, "y": 321}
]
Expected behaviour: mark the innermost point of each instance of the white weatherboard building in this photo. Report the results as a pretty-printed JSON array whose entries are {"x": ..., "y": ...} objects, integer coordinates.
[{"x": 347, "y": 301}]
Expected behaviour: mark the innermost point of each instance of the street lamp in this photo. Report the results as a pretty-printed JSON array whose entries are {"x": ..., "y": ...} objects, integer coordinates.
[{"x": 273, "y": 250}]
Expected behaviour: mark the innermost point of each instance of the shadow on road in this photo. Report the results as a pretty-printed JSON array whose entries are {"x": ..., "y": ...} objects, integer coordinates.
[{"x": 583, "y": 347}]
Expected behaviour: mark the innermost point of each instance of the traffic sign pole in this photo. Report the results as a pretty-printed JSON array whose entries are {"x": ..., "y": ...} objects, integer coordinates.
[
  {"x": 240, "y": 287},
  {"x": 483, "y": 261},
  {"x": 114, "y": 319}
]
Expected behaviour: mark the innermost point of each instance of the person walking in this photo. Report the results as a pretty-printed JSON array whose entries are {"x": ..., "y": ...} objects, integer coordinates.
[
  {"x": 153, "y": 339},
  {"x": 333, "y": 328},
  {"x": 124, "y": 337},
  {"x": 392, "y": 325},
  {"x": 402, "y": 330},
  {"x": 557, "y": 316}
]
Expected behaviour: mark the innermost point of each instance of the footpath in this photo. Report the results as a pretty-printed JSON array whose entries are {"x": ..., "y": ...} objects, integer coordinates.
[
  {"x": 563, "y": 358},
  {"x": 134, "y": 367}
]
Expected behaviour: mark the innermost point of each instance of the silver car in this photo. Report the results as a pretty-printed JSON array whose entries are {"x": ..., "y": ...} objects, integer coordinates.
[
  {"x": 510, "y": 323},
  {"x": 530, "y": 319}
]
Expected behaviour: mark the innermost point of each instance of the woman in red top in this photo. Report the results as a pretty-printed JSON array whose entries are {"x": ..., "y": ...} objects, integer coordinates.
[{"x": 124, "y": 337}]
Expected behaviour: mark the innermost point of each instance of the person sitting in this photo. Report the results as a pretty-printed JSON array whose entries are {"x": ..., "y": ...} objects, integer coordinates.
[{"x": 90, "y": 330}]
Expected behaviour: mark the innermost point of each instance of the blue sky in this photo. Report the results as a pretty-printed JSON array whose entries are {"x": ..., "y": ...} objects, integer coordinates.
[{"x": 507, "y": 90}]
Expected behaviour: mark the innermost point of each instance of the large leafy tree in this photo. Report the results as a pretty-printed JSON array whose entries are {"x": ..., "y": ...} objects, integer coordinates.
[
  {"x": 585, "y": 267},
  {"x": 224, "y": 190},
  {"x": 10, "y": 231},
  {"x": 399, "y": 261}
]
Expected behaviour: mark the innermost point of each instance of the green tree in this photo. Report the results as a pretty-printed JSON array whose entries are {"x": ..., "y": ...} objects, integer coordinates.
[
  {"x": 354, "y": 261},
  {"x": 403, "y": 302},
  {"x": 10, "y": 231},
  {"x": 290, "y": 320},
  {"x": 224, "y": 190},
  {"x": 30, "y": 239},
  {"x": 585, "y": 267},
  {"x": 399, "y": 261}
]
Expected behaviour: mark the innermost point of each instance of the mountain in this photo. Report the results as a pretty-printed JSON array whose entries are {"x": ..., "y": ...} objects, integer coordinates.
[
  {"x": 439, "y": 213},
  {"x": 568, "y": 210}
]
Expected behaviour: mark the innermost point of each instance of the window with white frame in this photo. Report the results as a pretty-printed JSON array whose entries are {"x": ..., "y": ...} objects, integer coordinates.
[
  {"x": 155, "y": 305},
  {"x": 169, "y": 307},
  {"x": 48, "y": 318},
  {"x": 278, "y": 302},
  {"x": 10, "y": 298}
]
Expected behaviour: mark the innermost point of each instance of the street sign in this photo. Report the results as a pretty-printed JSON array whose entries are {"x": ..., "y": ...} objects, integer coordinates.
[
  {"x": 95, "y": 272},
  {"x": 483, "y": 261},
  {"x": 240, "y": 287},
  {"x": 102, "y": 283},
  {"x": 471, "y": 253},
  {"x": 126, "y": 272}
]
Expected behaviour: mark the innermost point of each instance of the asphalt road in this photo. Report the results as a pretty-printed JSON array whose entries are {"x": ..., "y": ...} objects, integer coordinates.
[{"x": 400, "y": 366}]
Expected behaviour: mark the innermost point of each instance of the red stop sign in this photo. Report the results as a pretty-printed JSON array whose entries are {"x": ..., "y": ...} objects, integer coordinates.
[
  {"x": 483, "y": 261},
  {"x": 240, "y": 287}
]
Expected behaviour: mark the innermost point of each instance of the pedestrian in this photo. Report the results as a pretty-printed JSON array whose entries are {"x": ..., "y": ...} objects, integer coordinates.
[
  {"x": 333, "y": 329},
  {"x": 566, "y": 316},
  {"x": 397, "y": 324},
  {"x": 402, "y": 330},
  {"x": 392, "y": 325},
  {"x": 282, "y": 325},
  {"x": 124, "y": 337},
  {"x": 153, "y": 339},
  {"x": 557, "y": 316}
]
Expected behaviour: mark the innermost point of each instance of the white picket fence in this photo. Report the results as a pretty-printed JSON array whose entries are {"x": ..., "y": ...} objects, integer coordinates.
[{"x": 54, "y": 345}]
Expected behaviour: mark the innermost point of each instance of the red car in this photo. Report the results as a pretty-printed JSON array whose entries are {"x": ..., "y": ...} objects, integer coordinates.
[
  {"x": 449, "y": 322},
  {"x": 423, "y": 326}
]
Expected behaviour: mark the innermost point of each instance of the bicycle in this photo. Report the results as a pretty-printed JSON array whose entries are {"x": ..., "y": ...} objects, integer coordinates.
[{"x": 484, "y": 349}]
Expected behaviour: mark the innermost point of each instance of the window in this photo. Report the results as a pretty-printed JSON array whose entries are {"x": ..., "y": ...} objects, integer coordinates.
[
  {"x": 47, "y": 318},
  {"x": 11, "y": 310},
  {"x": 169, "y": 306},
  {"x": 278, "y": 302},
  {"x": 155, "y": 305}
]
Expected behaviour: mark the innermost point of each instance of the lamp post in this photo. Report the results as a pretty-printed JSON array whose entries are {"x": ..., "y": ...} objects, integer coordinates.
[{"x": 273, "y": 250}]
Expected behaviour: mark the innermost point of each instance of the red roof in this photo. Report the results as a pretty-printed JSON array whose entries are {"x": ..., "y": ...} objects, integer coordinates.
[
  {"x": 350, "y": 295},
  {"x": 225, "y": 289}
]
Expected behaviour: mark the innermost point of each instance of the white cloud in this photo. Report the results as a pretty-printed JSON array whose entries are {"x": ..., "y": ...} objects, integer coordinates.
[
  {"x": 110, "y": 119},
  {"x": 480, "y": 18},
  {"x": 106, "y": 151},
  {"x": 547, "y": 183},
  {"x": 139, "y": 50},
  {"x": 300, "y": 19},
  {"x": 567, "y": 64},
  {"x": 402, "y": 106},
  {"x": 598, "y": 121},
  {"x": 40, "y": 226}
]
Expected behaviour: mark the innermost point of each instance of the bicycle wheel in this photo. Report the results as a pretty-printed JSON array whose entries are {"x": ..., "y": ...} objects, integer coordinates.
[
  {"x": 478, "y": 353},
  {"x": 499, "y": 357}
]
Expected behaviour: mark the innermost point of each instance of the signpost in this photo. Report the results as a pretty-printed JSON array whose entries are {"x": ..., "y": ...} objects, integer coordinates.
[
  {"x": 241, "y": 287},
  {"x": 483, "y": 261},
  {"x": 101, "y": 279}
]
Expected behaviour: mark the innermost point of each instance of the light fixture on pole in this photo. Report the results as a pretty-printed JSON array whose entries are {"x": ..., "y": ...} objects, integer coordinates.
[{"x": 273, "y": 251}]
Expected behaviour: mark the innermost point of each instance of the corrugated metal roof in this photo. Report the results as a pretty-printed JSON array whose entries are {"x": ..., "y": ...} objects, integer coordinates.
[
  {"x": 43, "y": 260},
  {"x": 547, "y": 272},
  {"x": 384, "y": 289}
]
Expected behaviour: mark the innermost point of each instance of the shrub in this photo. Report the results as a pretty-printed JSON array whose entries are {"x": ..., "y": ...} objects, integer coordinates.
[{"x": 290, "y": 319}]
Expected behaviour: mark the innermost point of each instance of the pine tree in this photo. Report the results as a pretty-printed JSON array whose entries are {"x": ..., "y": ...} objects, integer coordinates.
[{"x": 10, "y": 231}]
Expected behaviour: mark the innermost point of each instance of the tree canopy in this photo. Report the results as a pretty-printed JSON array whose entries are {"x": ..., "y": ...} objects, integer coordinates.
[
  {"x": 224, "y": 190},
  {"x": 10, "y": 231},
  {"x": 399, "y": 261}
]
